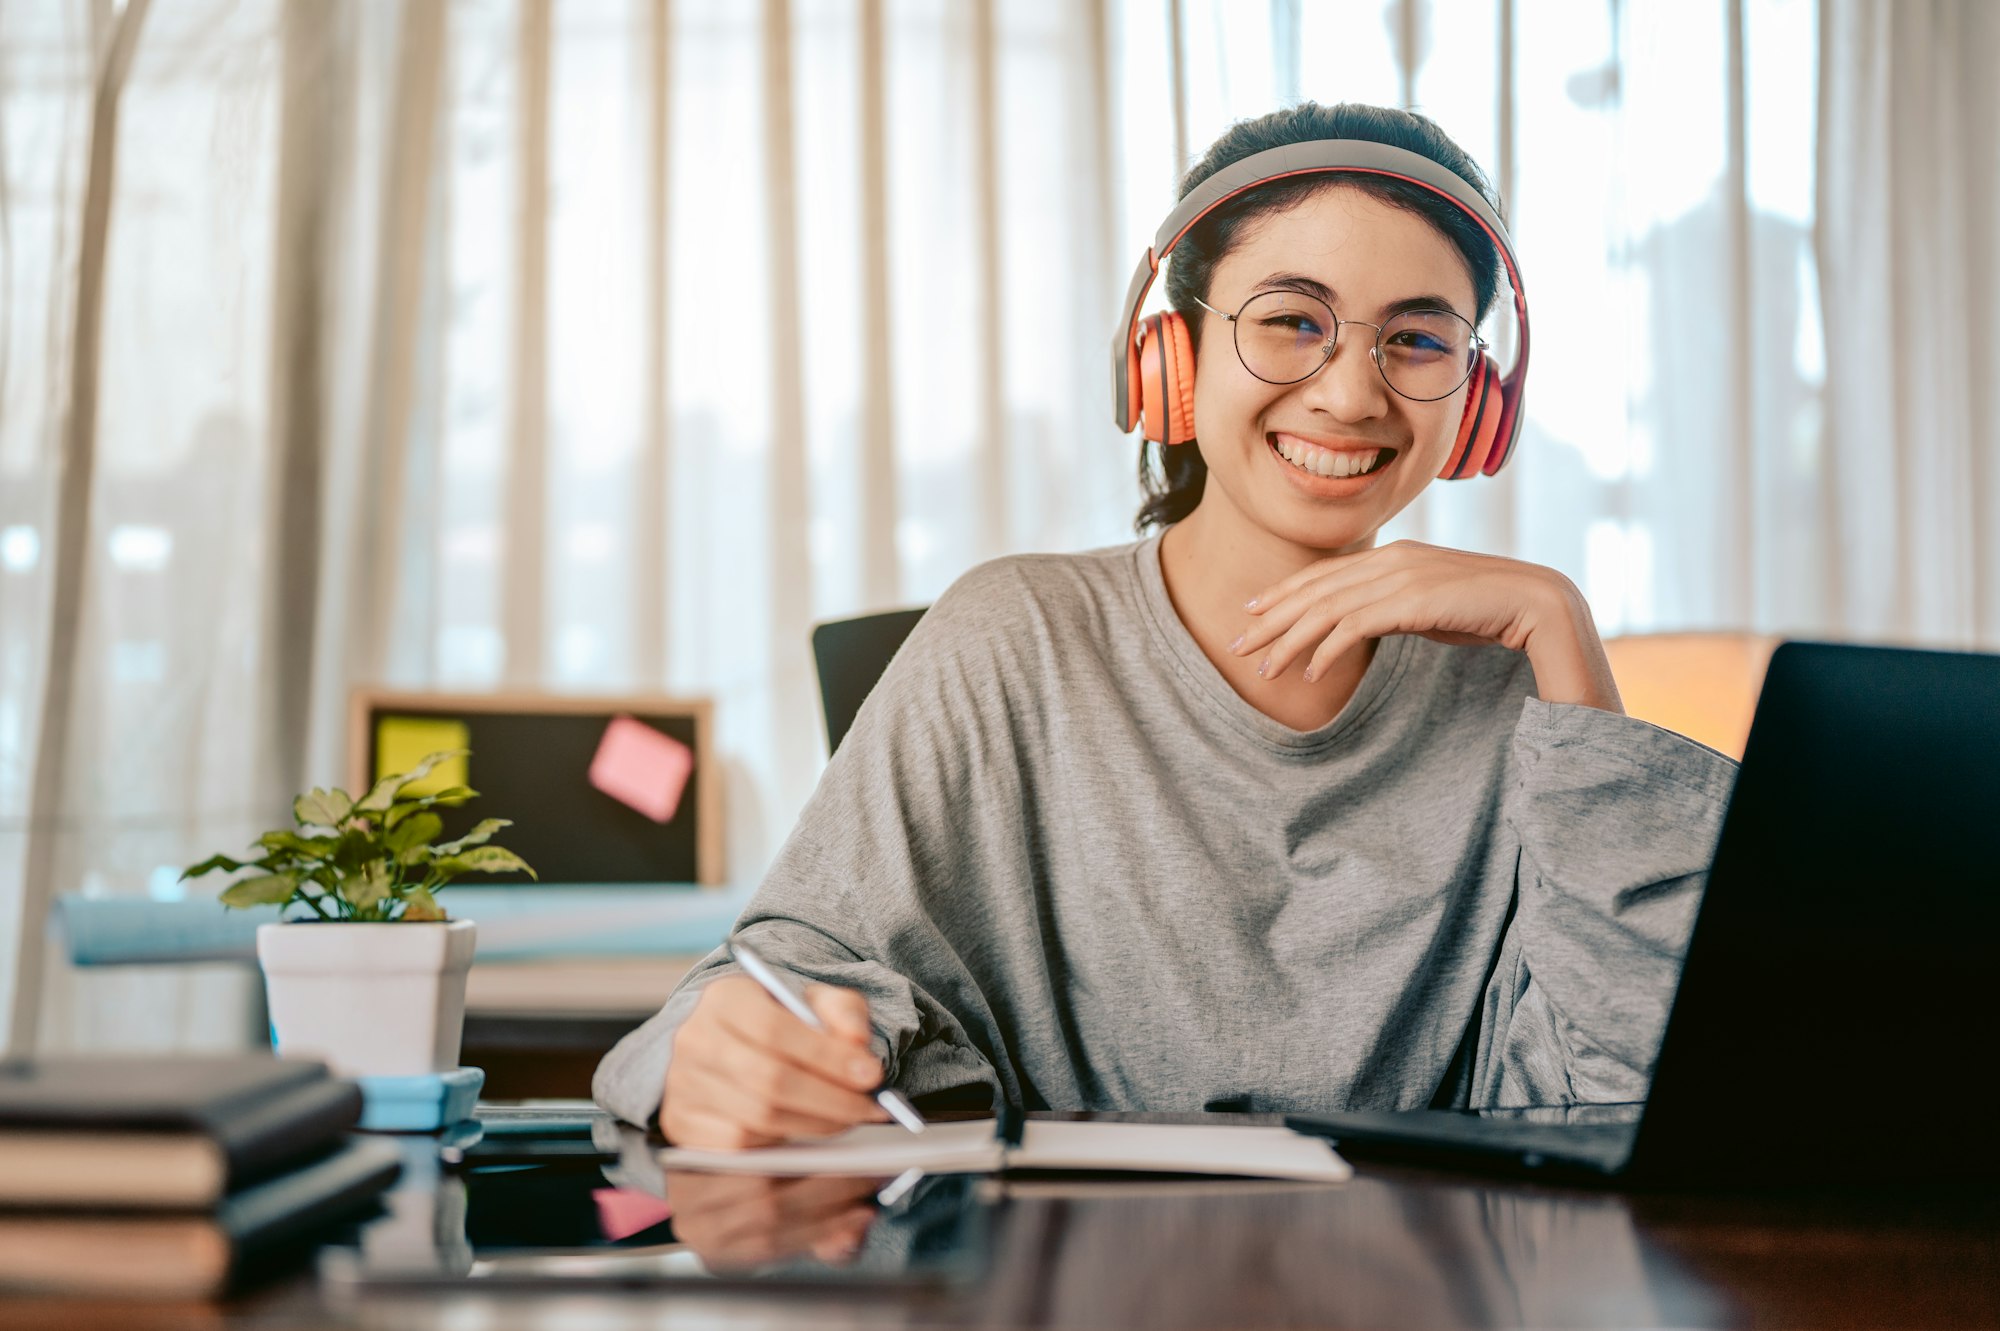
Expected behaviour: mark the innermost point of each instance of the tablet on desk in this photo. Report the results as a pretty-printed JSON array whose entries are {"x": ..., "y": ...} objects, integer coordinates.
[{"x": 559, "y": 1225}]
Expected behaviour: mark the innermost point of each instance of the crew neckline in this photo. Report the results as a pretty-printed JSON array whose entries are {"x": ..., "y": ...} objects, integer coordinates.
[{"x": 1392, "y": 658}]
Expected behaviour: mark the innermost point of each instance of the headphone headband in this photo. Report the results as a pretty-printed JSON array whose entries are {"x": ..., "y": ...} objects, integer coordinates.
[{"x": 1315, "y": 156}]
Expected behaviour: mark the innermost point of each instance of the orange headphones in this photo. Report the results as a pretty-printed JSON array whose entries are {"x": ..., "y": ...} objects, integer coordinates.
[{"x": 1152, "y": 361}]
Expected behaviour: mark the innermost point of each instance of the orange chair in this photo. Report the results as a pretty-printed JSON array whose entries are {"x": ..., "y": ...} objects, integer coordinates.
[{"x": 1702, "y": 685}]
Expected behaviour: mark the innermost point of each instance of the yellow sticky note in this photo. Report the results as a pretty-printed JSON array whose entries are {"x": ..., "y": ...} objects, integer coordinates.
[{"x": 401, "y": 742}]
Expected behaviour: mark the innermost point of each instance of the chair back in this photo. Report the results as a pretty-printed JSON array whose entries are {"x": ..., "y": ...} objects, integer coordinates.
[
  {"x": 1702, "y": 685},
  {"x": 851, "y": 655}
]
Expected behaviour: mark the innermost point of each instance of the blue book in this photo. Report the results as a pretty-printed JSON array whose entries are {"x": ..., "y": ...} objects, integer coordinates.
[{"x": 419, "y": 1104}]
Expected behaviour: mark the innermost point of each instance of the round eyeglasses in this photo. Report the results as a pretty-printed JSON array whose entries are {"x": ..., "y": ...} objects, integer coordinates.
[{"x": 1284, "y": 337}]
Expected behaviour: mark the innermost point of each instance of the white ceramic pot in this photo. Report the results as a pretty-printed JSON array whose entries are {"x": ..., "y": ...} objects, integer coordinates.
[{"x": 369, "y": 1000}]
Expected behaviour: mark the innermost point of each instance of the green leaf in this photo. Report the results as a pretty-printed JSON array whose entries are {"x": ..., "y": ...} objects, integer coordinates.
[
  {"x": 449, "y": 798},
  {"x": 490, "y": 859},
  {"x": 210, "y": 865},
  {"x": 266, "y": 890},
  {"x": 368, "y": 887},
  {"x": 383, "y": 792},
  {"x": 413, "y": 832},
  {"x": 322, "y": 808},
  {"x": 420, "y": 906},
  {"x": 481, "y": 833},
  {"x": 379, "y": 795},
  {"x": 357, "y": 845},
  {"x": 414, "y": 855}
]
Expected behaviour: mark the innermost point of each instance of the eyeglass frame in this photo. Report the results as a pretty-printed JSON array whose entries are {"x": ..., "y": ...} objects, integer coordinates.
[{"x": 1333, "y": 342}]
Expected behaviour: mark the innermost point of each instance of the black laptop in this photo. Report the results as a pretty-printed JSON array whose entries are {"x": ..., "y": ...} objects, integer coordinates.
[{"x": 1838, "y": 1016}]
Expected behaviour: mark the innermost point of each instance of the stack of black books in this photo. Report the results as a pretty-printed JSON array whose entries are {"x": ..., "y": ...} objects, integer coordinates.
[{"x": 167, "y": 1177}]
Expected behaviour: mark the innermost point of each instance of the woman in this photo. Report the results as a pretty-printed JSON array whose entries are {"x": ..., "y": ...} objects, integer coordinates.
[{"x": 1252, "y": 813}]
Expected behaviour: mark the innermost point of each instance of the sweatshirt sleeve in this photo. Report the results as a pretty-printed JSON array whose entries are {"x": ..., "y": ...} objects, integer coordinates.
[
  {"x": 1614, "y": 822},
  {"x": 888, "y": 878}
]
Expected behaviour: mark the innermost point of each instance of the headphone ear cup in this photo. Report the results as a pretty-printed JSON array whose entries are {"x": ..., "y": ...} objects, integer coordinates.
[
  {"x": 1164, "y": 363},
  {"x": 1479, "y": 425},
  {"x": 1506, "y": 429}
]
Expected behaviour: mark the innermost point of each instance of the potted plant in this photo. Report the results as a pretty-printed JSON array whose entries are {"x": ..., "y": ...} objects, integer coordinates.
[{"x": 365, "y": 970}]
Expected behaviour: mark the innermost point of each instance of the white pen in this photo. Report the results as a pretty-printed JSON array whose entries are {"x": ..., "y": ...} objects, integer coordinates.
[{"x": 760, "y": 970}]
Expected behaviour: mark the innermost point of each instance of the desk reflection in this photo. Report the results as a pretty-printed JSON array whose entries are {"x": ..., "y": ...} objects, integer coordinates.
[
  {"x": 738, "y": 1222},
  {"x": 1397, "y": 1247},
  {"x": 1387, "y": 1249}
]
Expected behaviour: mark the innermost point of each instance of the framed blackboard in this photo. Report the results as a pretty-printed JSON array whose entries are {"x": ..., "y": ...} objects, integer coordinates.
[{"x": 599, "y": 789}]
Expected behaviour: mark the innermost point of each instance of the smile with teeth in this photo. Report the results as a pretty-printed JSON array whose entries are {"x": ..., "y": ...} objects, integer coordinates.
[{"x": 1327, "y": 462}]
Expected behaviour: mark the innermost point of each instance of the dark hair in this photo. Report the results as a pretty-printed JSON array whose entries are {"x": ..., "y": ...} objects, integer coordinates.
[{"x": 1174, "y": 484}]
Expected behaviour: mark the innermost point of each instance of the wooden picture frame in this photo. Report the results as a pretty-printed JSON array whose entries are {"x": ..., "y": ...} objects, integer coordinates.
[{"x": 693, "y": 717}]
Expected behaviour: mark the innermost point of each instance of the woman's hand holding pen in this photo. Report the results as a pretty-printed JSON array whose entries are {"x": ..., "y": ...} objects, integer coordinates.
[
  {"x": 1333, "y": 605},
  {"x": 745, "y": 1072}
]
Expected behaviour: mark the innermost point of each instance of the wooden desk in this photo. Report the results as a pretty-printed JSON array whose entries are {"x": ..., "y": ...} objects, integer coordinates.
[{"x": 1394, "y": 1247}]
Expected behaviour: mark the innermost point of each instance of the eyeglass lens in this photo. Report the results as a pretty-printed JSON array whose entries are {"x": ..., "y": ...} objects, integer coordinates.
[{"x": 1283, "y": 337}]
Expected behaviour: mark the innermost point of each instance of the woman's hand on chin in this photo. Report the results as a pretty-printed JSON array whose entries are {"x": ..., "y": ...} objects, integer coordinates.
[{"x": 1335, "y": 604}]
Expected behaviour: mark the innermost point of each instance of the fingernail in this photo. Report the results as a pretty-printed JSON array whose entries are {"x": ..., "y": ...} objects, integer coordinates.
[
  {"x": 862, "y": 1069},
  {"x": 1309, "y": 674},
  {"x": 1239, "y": 641},
  {"x": 1250, "y": 604},
  {"x": 1262, "y": 666}
]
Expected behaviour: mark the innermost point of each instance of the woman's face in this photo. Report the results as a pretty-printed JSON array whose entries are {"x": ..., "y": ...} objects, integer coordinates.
[{"x": 1367, "y": 256}]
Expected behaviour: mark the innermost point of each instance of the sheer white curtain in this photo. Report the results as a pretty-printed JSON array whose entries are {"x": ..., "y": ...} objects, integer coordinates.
[
  {"x": 606, "y": 344},
  {"x": 1909, "y": 189}
]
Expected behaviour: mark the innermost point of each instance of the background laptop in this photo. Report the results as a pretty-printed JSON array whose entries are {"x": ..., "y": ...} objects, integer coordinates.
[{"x": 1838, "y": 1016}]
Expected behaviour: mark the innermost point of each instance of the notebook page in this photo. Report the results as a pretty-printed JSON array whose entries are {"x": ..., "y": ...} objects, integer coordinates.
[
  {"x": 1222, "y": 1148},
  {"x": 970, "y": 1147},
  {"x": 872, "y": 1148}
]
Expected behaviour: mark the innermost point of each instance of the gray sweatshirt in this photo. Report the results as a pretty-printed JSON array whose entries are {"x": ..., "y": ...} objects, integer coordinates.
[{"x": 1069, "y": 866}]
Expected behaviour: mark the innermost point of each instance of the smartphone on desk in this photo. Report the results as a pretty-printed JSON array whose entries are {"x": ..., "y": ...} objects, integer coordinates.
[{"x": 536, "y": 1136}]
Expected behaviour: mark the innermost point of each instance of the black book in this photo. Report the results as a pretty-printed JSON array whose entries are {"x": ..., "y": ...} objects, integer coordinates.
[
  {"x": 178, "y": 1132},
  {"x": 192, "y": 1256}
]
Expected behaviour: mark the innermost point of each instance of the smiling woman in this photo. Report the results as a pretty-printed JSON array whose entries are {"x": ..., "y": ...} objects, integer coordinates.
[{"x": 1092, "y": 843}]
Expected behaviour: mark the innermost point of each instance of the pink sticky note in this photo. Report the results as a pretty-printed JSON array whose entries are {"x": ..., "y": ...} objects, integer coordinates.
[
  {"x": 641, "y": 768},
  {"x": 622, "y": 1213}
]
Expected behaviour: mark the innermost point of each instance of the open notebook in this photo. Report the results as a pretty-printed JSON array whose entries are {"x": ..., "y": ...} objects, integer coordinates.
[{"x": 977, "y": 1146}]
